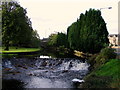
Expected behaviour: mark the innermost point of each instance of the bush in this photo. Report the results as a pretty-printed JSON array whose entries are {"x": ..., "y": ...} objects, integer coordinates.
[
  {"x": 105, "y": 55},
  {"x": 101, "y": 58},
  {"x": 108, "y": 53}
]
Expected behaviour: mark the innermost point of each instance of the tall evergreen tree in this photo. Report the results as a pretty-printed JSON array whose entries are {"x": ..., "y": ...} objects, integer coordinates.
[{"x": 88, "y": 33}]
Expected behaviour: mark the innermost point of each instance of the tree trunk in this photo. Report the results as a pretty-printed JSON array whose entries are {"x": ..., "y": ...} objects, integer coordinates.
[{"x": 7, "y": 46}]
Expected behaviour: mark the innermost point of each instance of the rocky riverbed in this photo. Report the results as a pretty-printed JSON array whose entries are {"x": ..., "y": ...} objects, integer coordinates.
[{"x": 43, "y": 72}]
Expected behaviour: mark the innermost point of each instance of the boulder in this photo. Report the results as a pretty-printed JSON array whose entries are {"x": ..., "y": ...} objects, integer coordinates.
[{"x": 64, "y": 71}]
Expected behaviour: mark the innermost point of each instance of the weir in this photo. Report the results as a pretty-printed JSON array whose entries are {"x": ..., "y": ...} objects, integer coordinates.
[{"x": 45, "y": 72}]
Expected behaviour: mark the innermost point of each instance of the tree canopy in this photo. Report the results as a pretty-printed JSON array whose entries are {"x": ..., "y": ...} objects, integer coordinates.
[
  {"x": 88, "y": 33},
  {"x": 16, "y": 26},
  {"x": 59, "y": 39}
]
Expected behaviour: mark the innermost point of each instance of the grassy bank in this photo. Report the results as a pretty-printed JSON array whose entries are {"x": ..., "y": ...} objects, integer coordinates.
[
  {"x": 106, "y": 76},
  {"x": 19, "y": 50}
]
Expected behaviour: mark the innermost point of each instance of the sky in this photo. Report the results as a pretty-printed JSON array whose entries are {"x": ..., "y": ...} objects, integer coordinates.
[{"x": 52, "y": 16}]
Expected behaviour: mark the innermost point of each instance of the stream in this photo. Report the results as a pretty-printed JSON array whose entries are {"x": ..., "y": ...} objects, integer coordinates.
[{"x": 42, "y": 72}]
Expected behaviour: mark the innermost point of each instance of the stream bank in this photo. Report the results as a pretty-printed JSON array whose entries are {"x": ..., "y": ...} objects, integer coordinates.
[{"x": 104, "y": 70}]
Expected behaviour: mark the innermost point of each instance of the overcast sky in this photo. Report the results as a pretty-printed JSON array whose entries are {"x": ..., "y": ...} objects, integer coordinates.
[{"x": 50, "y": 16}]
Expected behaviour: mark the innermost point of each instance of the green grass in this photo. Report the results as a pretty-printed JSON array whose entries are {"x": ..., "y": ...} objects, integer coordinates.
[
  {"x": 111, "y": 68},
  {"x": 17, "y": 50},
  {"x": 106, "y": 76}
]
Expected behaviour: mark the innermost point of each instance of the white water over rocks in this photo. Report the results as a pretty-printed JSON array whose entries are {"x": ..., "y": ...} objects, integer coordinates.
[{"x": 45, "y": 72}]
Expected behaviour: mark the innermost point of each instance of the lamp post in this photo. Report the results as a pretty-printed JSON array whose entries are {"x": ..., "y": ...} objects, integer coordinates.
[{"x": 106, "y": 8}]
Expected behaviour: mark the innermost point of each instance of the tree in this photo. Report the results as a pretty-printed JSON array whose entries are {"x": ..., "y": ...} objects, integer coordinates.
[
  {"x": 59, "y": 39},
  {"x": 35, "y": 39},
  {"x": 88, "y": 33},
  {"x": 16, "y": 26}
]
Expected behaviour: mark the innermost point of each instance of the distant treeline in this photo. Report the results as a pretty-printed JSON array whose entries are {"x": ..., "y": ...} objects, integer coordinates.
[{"x": 88, "y": 34}]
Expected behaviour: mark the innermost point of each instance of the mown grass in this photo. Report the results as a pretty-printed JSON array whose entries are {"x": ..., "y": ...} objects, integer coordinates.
[
  {"x": 106, "y": 76},
  {"x": 19, "y": 49}
]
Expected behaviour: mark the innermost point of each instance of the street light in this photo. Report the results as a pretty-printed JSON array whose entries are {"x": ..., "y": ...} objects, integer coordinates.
[{"x": 106, "y": 8}]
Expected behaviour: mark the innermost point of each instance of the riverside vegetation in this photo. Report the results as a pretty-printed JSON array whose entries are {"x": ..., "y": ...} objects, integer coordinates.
[
  {"x": 104, "y": 71},
  {"x": 88, "y": 35}
]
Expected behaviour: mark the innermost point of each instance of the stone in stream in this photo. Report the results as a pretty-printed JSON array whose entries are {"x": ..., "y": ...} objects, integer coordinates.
[
  {"x": 59, "y": 62},
  {"x": 7, "y": 69},
  {"x": 44, "y": 63},
  {"x": 30, "y": 66},
  {"x": 31, "y": 74},
  {"x": 50, "y": 64},
  {"x": 41, "y": 68},
  {"x": 64, "y": 71},
  {"x": 46, "y": 71},
  {"x": 24, "y": 67},
  {"x": 16, "y": 72},
  {"x": 19, "y": 65},
  {"x": 70, "y": 65},
  {"x": 51, "y": 68}
]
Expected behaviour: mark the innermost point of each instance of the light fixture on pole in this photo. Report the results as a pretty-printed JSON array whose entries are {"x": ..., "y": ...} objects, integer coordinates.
[{"x": 106, "y": 8}]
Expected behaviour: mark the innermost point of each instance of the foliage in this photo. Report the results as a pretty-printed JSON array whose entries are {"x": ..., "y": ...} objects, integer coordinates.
[
  {"x": 107, "y": 53},
  {"x": 104, "y": 56},
  {"x": 88, "y": 33},
  {"x": 59, "y": 39},
  {"x": 35, "y": 40},
  {"x": 101, "y": 58},
  {"x": 62, "y": 50},
  {"x": 52, "y": 40},
  {"x": 16, "y": 26}
]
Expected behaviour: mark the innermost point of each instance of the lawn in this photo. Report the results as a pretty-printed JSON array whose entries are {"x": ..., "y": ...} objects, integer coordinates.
[{"x": 17, "y": 50}]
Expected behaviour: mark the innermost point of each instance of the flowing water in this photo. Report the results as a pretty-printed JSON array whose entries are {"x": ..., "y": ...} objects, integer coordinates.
[{"x": 44, "y": 71}]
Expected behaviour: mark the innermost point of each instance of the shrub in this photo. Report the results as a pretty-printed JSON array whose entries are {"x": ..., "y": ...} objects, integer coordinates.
[
  {"x": 105, "y": 55},
  {"x": 101, "y": 58},
  {"x": 108, "y": 53}
]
